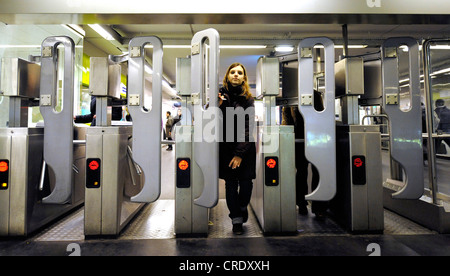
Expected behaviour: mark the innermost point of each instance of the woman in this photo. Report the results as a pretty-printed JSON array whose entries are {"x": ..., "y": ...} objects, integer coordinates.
[{"x": 237, "y": 157}]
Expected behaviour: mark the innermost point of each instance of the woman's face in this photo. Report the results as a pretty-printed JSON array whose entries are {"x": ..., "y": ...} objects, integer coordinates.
[{"x": 236, "y": 75}]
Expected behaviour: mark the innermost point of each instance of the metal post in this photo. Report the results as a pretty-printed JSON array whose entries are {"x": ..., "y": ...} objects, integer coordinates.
[{"x": 429, "y": 119}]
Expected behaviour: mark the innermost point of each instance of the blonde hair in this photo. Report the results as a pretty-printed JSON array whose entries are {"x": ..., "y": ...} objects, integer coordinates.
[{"x": 245, "y": 87}]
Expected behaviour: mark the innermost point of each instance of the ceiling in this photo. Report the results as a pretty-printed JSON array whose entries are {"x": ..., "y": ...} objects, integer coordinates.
[
  {"x": 255, "y": 34},
  {"x": 230, "y": 34}
]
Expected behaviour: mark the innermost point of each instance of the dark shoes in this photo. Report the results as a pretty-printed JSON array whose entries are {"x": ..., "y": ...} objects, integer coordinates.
[
  {"x": 237, "y": 229},
  {"x": 302, "y": 210}
]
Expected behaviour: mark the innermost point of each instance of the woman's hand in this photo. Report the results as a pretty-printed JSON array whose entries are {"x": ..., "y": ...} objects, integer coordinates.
[
  {"x": 235, "y": 162},
  {"x": 221, "y": 98}
]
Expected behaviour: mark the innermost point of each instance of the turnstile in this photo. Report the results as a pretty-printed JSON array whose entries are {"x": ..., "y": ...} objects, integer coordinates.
[
  {"x": 273, "y": 196},
  {"x": 108, "y": 175},
  {"x": 405, "y": 140},
  {"x": 123, "y": 162},
  {"x": 358, "y": 204},
  {"x": 196, "y": 150},
  {"x": 37, "y": 179}
]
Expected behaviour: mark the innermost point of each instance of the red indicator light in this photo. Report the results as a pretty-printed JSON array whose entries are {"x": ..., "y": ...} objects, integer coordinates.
[
  {"x": 358, "y": 162},
  {"x": 183, "y": 165},
  {"x": 3, "y": 166},
  {"x": 271, "y": 163},
  {"x": 93, "y": 165}
]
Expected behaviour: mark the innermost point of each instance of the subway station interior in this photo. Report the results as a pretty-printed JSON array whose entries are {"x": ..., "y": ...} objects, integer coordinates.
[{"x": 378, "y": 150}]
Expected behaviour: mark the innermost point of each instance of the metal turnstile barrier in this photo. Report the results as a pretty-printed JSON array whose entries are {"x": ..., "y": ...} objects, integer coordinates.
[
  {"x": 405, "y": 140},
  {"x": 273, "y": 196},
  {"x": 196, "y": 151},
  {"x": 38, "y": 182},
  {"x": 320, "y": 132},
  {"x": 358, "y": 204},
  {"x": 112, "y": 177}
]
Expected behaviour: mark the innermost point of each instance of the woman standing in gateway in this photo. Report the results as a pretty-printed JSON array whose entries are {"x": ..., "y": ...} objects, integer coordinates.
[{"x": 237, "y": 158}]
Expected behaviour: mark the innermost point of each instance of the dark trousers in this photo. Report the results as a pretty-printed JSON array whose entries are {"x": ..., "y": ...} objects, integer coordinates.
[
  {"x": 238, "y": 194},
  {"x": 301, "y": 180}
]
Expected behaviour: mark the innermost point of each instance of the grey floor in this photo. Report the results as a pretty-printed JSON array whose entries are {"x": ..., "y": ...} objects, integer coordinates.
[{"x": 151, "y": 233}]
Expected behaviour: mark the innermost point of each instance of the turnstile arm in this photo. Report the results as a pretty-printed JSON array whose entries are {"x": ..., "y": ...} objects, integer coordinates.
[
  {"x": 206, "y": 148},
  {"x": 58, "y": 126},
  {"x": 320, "y": 130},
  {"x": 405, "y": 125},
  {"x": 146, "y": 124}
]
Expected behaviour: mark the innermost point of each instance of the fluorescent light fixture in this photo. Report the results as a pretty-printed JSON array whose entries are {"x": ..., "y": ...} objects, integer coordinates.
[
  {"x": 243, "y": 46},
  {"x": 99, "y": 29},
  {"x": 284, "y": 48},
  {"x": 440, "y": 47},
  {"x": 20, "y": 46},
  {"x": 342, "y": 46},
  {"x": 351, "y": 46},
  {"x": 221, "y": 46}
]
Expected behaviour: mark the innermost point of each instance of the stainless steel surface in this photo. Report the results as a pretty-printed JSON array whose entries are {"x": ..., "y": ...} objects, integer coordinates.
[
  {"x": 22, "y": 209},
  {"x": 104, "y": 78},
  {"x": 349, "y": 76},
  {"x": 367, "y": 200},
  {"x": 206, "y": 125},
  {"x": 320, "y": 132},
  {"x": 58, "y": 126},
  {"x": 405, "y": 125},
  {"x": 266, "y": 83},
  {"x": 19, "y": 78},
  {"x": 274, "y": 206},
  {"x": 373, "y": 87},
  {"x": 145, "y": 123},
  {"x": 107, "y": 208}
]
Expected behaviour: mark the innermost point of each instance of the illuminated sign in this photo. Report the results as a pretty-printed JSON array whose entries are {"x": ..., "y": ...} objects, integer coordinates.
[
  {"x": 183, "y": 177},
  {"x": 183, "y": 165},
  {"x": 359, "y": 170},
  {"x": 271, "y": 163},
  {"x": 93, "y": 172},
  {"x": 271, "y": 171},
  {"x": 4, "y": 174}
]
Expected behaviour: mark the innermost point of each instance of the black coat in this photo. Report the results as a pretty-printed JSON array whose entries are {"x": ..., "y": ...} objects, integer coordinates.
[{"x": 228, "y": 149}]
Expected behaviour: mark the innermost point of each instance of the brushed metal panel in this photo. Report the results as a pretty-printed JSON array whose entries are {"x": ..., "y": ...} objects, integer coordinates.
[
  {"x": 19, "y": 177},
  {"x": 287, "y": 179},
  {"x": 93, "y": 196},
  {"x": 5, "y": 153}
]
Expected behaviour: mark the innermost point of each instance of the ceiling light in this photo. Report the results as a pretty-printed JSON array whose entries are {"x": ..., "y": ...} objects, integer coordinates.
[
  {"x": 284, "y": 48},
  {"x": 243, "y": 46},
  {"x": 99, "y": 29},
  {"x": 221, "y": 46}
]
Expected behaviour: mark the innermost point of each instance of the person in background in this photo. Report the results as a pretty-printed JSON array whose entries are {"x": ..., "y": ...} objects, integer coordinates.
[
  {"x": 443, "y": 114},
  {"x": 169, "y": 125}
]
